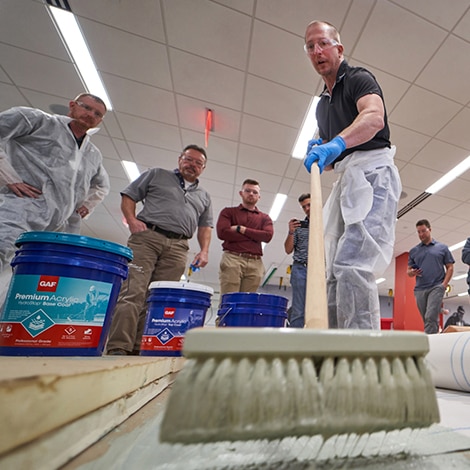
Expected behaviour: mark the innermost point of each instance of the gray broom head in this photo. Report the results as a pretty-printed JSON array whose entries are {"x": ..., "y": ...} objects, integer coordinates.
[{"x": 267, "y": 383}]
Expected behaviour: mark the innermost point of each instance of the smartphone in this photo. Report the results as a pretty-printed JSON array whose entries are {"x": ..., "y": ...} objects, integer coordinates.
[{"x": 304, "y": 224}]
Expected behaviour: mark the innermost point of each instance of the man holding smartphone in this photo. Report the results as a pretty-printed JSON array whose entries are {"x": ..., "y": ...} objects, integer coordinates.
[
  {"x": 432, "y": 264},
  {"x": 297, "y": 242}
]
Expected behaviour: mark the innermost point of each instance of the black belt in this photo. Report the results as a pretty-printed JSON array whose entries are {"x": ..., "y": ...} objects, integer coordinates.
[
  {"x": 244, "y": 255},
  {"x": 167, "y": 233},
  {"x": 302, "y": 264}
]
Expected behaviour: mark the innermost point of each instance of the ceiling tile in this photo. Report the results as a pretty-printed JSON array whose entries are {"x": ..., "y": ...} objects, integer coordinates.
[
  {"x": 291, "y": 15},
  {"x": 288, "y": 55},
  {"x": 423, "y": 111},
  {"x": 463, "y": 27},
  {"x": 289, "y": 108},
  {"x": 263, "y": 160},
  {"x": 456, "y": 131},
  {"x": 10, "y": 96},
  {"x": 439, "y": 156},
  {"x": 206, "y": 80},
  {"x": 141, "y": 100},
  {"x": 436, "y": 77},
  {"x": 433, "y": 11},
  {"x": 26, "y": 21},
  {"x": 194, "y": 29},
  {"x": 149, "y": 132},
  {"x": 418, "y": 177},
  {"x": 148, "y": 157},
  {"x": 396, "y": 30},
  {"x": 407, "y": 142},
  {"x": 268, "y": 135},
  {"x": 145, "y": 20},
  {"x": 52, "y": 76},
  {"x": 145, "y": 61}
]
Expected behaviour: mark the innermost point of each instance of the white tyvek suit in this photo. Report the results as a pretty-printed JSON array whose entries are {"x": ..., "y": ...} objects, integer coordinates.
[
  {"x": 359, "y": 226},
  {"x": 40, "y": 149}
]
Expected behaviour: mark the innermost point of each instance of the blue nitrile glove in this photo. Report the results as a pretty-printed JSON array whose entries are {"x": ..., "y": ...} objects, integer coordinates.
[
  {"x": 312, "y": 143},
  {"x": 325, "y": 154}
]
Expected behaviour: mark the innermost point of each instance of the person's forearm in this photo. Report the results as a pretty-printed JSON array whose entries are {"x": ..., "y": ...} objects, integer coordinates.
[
  {"x": 289, "y": 243},
  {"x": 204, "y": 238},
  {"x": 128, "y": 207},
  {"x": 448, "y": 276}
]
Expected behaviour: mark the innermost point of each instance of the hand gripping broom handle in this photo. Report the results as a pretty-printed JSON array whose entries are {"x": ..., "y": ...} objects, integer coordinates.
[{"x": 316, "y": 307}]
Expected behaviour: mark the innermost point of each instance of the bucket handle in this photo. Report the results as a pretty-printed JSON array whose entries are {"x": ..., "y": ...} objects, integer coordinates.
[{"x": 222, "y": 317}]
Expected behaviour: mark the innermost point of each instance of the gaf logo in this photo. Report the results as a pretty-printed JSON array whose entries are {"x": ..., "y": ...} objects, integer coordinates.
[
  {"x": 169, "y": 312},
  {"x": 47, "y": 283}
]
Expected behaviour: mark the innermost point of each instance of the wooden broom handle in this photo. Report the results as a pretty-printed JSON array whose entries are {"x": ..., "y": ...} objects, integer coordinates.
[{"x": 316, "y": 306}]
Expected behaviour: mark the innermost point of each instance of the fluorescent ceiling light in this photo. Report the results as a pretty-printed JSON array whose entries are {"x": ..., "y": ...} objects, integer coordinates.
[
  {"x": 462, "y": 294},
  {"x": 457, "y": 246},
  {"x": 380, "y": 280},
  {"x": 450, "y": 176},
  {"x": 307, "y": 131},
  {"x": 457, "y": 278},
  {"x": 131, "y": 169},
  {"x": 278, "y": 204},
  {"x": 75, "y": 43}
]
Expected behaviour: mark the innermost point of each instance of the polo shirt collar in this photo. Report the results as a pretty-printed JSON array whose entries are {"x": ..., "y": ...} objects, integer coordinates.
[
  {"x": 182, "y": 182},
  {"x": 241, "y": 207},
  {"x": 340, "y": 75},
  {"x": 432, "y": 242}
]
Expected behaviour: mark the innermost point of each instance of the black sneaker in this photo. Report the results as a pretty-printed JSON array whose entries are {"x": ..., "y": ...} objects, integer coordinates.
[{"x": 117, "y": 352}]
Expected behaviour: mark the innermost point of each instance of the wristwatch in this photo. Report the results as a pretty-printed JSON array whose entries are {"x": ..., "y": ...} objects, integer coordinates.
[{"x": 238, "y": 228}]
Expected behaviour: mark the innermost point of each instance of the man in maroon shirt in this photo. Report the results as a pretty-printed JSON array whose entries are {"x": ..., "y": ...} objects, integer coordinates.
[{"x": 243, "y": 228}]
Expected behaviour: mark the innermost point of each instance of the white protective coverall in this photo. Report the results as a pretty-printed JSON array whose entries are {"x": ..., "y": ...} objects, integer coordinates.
[
  {"x": 40, "y": 149},
  {"x": 359, "y": 227}
]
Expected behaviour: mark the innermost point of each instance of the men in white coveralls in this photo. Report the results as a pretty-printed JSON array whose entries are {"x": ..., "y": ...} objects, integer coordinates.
[{"x": 51, "y": 175}]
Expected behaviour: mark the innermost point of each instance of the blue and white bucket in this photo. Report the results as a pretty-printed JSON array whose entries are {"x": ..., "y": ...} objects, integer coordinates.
[
  {"x": 173, "y": 308},
  {"x": 252, "y": 309},
  {"x": 62, "y": 294}
]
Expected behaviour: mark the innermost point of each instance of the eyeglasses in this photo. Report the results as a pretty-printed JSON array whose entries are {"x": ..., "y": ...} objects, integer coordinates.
[
  {"x": 322, "y": 45},
  {"x": 198, "y": 163},
  {"x": 97, "y": 114}
]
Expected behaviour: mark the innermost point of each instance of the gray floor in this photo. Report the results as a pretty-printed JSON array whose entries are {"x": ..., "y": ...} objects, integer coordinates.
[{"x": 134, "y": 445}]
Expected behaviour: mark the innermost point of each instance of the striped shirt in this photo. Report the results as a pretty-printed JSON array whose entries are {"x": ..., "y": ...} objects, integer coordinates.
[{"x": 301, "y": 244}]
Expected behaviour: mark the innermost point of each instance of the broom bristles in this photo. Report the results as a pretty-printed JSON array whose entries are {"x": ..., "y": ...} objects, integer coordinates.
[{"x": 244, "y": 397}]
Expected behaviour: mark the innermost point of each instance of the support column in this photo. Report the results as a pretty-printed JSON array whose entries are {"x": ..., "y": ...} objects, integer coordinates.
[{"x": 406, "y": 315}]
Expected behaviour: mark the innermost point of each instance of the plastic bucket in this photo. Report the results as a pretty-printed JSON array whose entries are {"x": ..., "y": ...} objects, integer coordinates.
[
  {"x": 252, "y": 309},
  {"x": 62, "y": 294},
  {"x": 173, "y": 308}
]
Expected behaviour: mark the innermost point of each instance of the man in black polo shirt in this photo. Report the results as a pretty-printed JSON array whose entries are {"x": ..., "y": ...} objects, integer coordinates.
[
  {"x": 175, "y": 207},
  {"x": 360, "y": 213}
]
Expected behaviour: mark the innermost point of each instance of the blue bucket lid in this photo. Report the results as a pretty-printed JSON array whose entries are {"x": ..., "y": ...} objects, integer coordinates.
[
  {"x": 74, "y": 240},
  {"x": 181, "y": 285}
]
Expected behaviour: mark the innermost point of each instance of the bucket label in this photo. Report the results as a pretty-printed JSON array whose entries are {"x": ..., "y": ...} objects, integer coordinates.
[
  {"x": 54, "y": 311},
  {"x": 166, "y": 326}
]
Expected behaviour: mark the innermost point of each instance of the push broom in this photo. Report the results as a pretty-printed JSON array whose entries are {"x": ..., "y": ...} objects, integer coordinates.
[{"x": 268, "y": 383}]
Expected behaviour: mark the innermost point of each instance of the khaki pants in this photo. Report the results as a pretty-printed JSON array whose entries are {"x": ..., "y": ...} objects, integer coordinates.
[
  {"x": 237, "y": 274},
  {"x": 156, "y": 258}
]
